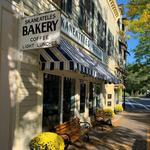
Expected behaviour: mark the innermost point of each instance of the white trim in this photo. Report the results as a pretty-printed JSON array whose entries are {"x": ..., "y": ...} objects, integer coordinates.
[{"x": 61, "y": 99}]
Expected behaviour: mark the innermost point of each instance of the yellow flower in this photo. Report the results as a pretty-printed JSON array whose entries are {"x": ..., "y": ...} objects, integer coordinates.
[{"x": 47, "y": 141}]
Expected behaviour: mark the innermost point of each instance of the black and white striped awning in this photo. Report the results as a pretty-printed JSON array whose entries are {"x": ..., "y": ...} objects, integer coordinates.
[{"x": 67, "y": 57}]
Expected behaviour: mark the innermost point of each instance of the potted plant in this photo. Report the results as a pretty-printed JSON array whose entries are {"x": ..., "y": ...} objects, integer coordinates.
[
  {"x": 47, "y": 141},
  {"x": 118, "y": 108},
  {"x": 109, "y": 112}
]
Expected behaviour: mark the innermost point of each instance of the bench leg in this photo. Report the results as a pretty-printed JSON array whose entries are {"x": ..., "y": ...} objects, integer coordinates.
[
  {"x": 100, "y": 124},
  {"x": 85, "y": 137},
  {"x": 88, "y": 138},
  {"x": 67, "y": 143},
  {"x": 109, "y": 122}
]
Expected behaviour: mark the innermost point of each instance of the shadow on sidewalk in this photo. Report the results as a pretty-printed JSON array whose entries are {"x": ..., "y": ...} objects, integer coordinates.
[
  {"x": 139, "y": 116},
  {"x": 117, "y": 138},
  {"x": 140, "y": 145}
]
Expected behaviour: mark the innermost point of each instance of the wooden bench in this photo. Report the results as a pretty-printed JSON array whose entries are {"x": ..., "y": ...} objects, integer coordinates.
[
  {"x": 102, "y": 119},
  {"x": 72, "y": 130}
]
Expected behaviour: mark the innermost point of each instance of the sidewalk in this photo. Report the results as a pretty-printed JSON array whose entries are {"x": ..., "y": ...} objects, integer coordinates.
[
  {"x": 116, "y": 121},
  {"x": 98, "y": 137},
  {"x": 129, "y": 132}
]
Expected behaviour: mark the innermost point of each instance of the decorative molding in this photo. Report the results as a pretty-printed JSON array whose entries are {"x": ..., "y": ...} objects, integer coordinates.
[{"x": 114, "y": 8}]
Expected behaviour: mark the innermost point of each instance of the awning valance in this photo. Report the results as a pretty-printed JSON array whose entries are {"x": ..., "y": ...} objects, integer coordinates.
[{"x": 67, "y": 57}]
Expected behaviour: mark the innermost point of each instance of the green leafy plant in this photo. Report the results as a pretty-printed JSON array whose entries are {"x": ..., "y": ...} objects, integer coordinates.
[
  {"x": 47, "y": 141},
  {"x": 118, "y": 108}
]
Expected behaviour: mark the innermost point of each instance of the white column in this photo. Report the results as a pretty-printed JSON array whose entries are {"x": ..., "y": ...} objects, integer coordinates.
[
  {"x": 87, "y": 100},
  {"x": 77, "y": 98},
  {"x": 61, "y": 99}
]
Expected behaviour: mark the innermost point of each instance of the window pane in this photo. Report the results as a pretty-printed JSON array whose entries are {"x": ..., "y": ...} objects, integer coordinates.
[
  {"x": 97, "y": 96},
  {"x": 51, "y": 101},
  {"x": 91, "y": 100},
  {"x": 82, "y": 97},
  {"x": 69, "y": 98},
  {"x": 63, "y": 5},
  {"x": 69, "y": 7},
  {"x": 110, "y": 43},
  {"x": 101, "y": 28},
  {"x": 81, "y": 16}
]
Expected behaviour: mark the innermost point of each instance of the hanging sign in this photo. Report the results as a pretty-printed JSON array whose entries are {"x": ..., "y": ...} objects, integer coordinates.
[
  {"x": 40, "y": 31},
  {"x": 77, "y": 35}
]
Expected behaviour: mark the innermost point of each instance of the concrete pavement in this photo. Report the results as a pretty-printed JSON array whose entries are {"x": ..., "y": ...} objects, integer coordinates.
[{"x": 130, "y": 131}]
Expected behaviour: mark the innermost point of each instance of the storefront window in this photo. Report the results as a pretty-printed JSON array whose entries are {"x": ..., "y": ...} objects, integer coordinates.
[
  {"x": 91, "y": 100},
  {"x": 97, "y": 96},
  {"x": 95, "y": 101},
  {"x": 51, "y": 101},
  {"x": 82, "y": 97},
  {"x": 69, "y": 98}
]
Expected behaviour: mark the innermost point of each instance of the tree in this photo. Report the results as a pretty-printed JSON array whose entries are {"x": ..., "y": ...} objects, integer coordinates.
[
  {"x": 138, "y": 78},
  {"x": 138, "y": 22},
  {"x": 142, "y": 52}
]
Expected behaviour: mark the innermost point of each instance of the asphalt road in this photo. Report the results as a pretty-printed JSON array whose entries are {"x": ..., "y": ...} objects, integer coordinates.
[{"x": 140, "y": 104}]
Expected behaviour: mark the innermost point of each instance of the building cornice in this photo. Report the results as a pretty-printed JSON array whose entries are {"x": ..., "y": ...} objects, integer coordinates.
[{"x": 114, "y": 8}]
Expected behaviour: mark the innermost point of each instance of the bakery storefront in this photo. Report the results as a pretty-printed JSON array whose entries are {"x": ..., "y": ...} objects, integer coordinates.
[{"x": 74, "y": 76}]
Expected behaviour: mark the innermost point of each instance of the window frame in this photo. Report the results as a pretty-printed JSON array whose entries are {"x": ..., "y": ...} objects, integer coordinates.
[{"x": 64, "y": 5}]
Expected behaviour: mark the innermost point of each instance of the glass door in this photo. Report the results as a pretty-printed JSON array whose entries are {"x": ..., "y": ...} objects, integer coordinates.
[{"x": 51, "y": 101}]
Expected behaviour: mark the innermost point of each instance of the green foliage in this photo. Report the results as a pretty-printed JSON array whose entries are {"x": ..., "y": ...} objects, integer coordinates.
[
  {"x": 127, "y": 94},
  {"x": 138, "y": 15},
  {"x": 47, "y": 141},
  {"x": 118, "y": 108},
  {"x": 142, "y": 52},
  {"x": 139, "y": 23},
  {"x": 138, "y": 79}
]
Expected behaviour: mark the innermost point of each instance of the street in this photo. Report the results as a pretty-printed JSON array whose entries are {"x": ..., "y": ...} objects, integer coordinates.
[{"x": 139, "y": 104}]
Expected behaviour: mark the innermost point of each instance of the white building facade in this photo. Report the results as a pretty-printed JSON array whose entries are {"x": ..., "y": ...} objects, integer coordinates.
[{"x": 58, "y": 60}]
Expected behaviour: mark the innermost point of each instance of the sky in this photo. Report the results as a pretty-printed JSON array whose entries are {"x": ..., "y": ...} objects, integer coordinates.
[{"x": 132, "y": 42}]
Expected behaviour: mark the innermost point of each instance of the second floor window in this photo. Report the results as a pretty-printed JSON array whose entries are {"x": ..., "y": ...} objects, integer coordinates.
[
  {"x": 86, "y": 16},
  {"x": 110, "y": 43},
  {"x": 101, "y": 31},
  {"x": 65, "y": 5}
]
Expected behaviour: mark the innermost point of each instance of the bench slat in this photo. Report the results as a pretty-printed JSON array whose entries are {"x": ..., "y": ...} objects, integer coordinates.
[{"x": 72, "y": 129}]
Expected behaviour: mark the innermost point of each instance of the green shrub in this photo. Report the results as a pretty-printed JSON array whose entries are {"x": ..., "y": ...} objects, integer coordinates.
[
  {"x": 47, "y": 141},
  {"x": 118, "y": 108},
  {"x": 108, "y": 112}
]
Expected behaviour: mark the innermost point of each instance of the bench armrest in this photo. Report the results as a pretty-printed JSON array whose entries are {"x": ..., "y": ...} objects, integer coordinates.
[
  {"x": 65, "y": 136},
  {"x": 85, "y": 125},
  {"x": 67, "y": 139}
]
